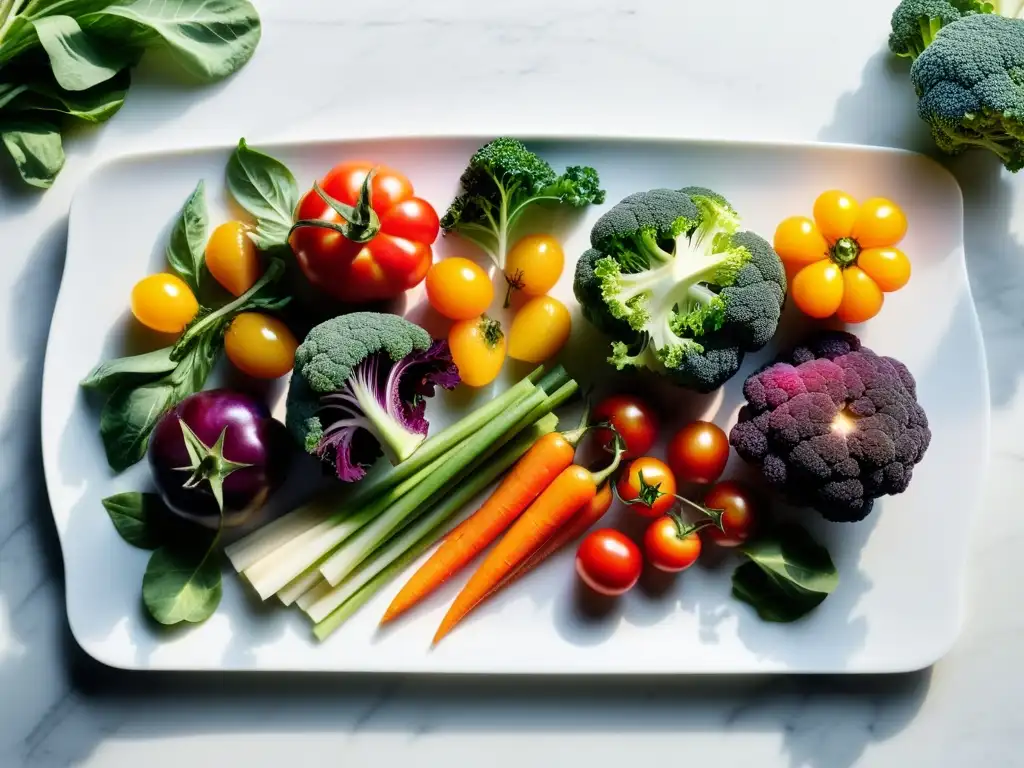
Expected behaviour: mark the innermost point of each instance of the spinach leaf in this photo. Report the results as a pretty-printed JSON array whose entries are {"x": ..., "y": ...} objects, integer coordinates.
[
  {"x": 209, "y": 38},
  {"x": 136, "y": 517},
  {"x": 788, "y": 575},
  {"x": 113, "y": 373},
  {"x": 36, "y": 148},
  {"x": 185, "y": 252},
  {"x": 266, "y": 189},
  {"x": 93, "y": 105},
  {"x": 76, "y": 62},
  {"x": 181, "y": 585}
]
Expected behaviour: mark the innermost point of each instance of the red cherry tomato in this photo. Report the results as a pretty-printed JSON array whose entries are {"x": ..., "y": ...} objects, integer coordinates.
[
  {"x": 609, "y": 562},
  {"x": 667, "y": 548},
  {"x": 651, "y": 483},
  {"x": 739, "y": 513},
  {"x": 632, "y": 418},
  {"x": 698, "y": 452},
  {"x": 394, "y": 260}
]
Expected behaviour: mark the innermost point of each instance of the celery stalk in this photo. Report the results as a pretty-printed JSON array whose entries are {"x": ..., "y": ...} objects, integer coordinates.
[{"x": 295, "y": 589}]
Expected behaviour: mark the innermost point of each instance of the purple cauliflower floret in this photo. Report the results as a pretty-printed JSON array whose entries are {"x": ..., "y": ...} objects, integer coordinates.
[{"x": 833, "y": 426}]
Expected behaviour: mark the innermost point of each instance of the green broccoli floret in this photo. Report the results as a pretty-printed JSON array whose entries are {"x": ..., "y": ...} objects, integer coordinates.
[
  {"x": 503, "y": 178},
  {"x": 678, "y": 287},
  {"x": 969, "y": 85},
  {"x": 916, "y": 22}
]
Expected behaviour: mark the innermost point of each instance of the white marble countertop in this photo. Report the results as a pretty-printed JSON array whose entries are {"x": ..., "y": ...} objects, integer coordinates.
[{"x": 798, "y": 70}]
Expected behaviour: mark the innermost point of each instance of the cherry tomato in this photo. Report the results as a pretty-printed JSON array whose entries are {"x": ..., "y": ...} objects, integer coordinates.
[
  {"x": 232, "y": 259},
  {"x": 798, "y": 242},
  {"x": 609, "y": 562},
  {"x": 698, "y": 452},
  {"x": 478, "y": 349},
  {"x": 539, "y": 330},
  {"x": 655, "y": 494},
  {"x": 534, "y": 264},
  {"x": 862, "y": 298},
  {"x": 260, "y": 346},
  {"x": 632, "y": 418},
  {"x": 835, "y": 213},
  {"x": 818, "y": 289},
  {"x": 888, "y": 267},
  {"x": 163, "y": 302},
  {"x": 459, "y": 288},
  {"x": 668, "y": 548},
  {"x": 881, "y": 222},
  {"x": 739, "y": 511}
]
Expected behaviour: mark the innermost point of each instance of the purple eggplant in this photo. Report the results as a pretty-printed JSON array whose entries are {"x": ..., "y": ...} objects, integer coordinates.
[{"x": 217, "y": 457}]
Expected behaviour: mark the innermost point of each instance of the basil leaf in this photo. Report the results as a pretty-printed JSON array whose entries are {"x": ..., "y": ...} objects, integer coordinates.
[
  {"x": 181, "y": 586},
  {"x": 113, "y": 373},
  {"x": 94, "y": 105},
  {"x": 266, "y": 189},
  {"x": 76, "y": 62},
  {"x": 788, "y": 575},
  {"x": 185, "y": 252},
  {"x": 36, "y": 148},
  {"x": 209, "y": 38},
  {"x": 136, "y": 517}
]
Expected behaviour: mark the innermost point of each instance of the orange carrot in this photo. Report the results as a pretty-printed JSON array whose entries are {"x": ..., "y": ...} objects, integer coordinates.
[
  {"x": 531, "y": 475},
  {"x": 568, "y": 493}
]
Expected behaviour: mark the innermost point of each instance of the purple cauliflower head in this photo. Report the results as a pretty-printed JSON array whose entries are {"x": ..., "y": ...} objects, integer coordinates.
[{"x": 833, "y": 426}]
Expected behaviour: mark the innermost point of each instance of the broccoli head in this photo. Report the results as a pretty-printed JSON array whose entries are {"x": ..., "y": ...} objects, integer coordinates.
[
  {"x": 916, "y": 22},
  {"x": 833, "y": 426},
  {"x": 678, "y": 287},
  {"x": 359, "y": 386}
]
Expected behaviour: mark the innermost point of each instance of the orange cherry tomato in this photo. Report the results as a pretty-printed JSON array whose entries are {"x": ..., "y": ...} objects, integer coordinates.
[
  {"x": 862, "y": 298},
  {"x": 888, "y": 267},
  {"x": 648, "y": 486},
  {"x": 459, "y": 288},
  {"x": 163, "y": 302},
  {"x": 835, "y": 213},
  {"x": 232, "y": 259},
  {"x": 539, "y": 330},
  {"x": 260, "y": 346},
  {"x": 881, "y": 222},
  {"x": 818, "y": 289},
  {"x": 534, "y": 264},
  {"x": 798, "y": 242},
  {"x": 478, "y": 350}
]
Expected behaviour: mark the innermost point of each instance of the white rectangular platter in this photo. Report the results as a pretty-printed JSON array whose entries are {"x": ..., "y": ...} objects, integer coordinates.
[{"x": 899, "y": 602}]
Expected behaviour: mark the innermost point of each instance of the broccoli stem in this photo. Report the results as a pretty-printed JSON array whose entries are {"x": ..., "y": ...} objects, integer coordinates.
[{"x": 397, "y": 442}]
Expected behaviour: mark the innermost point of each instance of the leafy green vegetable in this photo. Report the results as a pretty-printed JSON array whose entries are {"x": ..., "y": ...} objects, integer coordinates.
[
  {"x": 93, "y": 105},
  {"x": 76, "y": 62},
  {"x": 134, "y": 515},
  {"x": 111, "y": 374},
  {"x": 36, "y": 148},
  {"x": 181, "y": 586},
  {"x": 788, "y": 575},
  {"x": 186, "y": 250},
  {"x": 267, "y": 190}
]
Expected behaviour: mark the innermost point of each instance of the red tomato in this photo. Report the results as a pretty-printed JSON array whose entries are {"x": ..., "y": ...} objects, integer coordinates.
[
  {"x": 609, "y": 562},
  {"x": 698, "y": 452},
  {"x": 738, "y": 516},
  {"x": 668, "y": 548},
  {"x": 394, "y": 260},
  {"x": 632, "y": 418},
  {"x": 648, "y": 486}
]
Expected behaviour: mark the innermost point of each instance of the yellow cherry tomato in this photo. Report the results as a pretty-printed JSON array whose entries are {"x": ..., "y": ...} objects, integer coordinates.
[
  {"x": 798, "y": 242},
  {"x": 539, "y": 330},
  {"x": 232, "y": 259},
  {"x": 534, "y": 265},
  {"x": 478, "y": 349},
  {"x": 835, "y": 213},
  {"x": 888, "y": 267},
  {"x": 459, "y": 288},
  {"x": 818, "y": 289},
  {"x": 260, "y": 346},
  {"x": 163, "y": 302},
  {"x": 881, "y": 222},
  {"x": 862, "y": 298}
]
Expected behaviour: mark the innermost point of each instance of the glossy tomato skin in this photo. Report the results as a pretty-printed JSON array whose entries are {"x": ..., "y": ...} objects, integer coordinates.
[
  {"x": 478, "y": 350},
  {"x": 394, "y": 261},
  {"x": 633, "y": 419},
  {"x": 669, "y": 550},
  {"x": 232, "y": 259},
  {"x": 655, "y": 473},
  {"x": 164, "y": 302},
  {"x": 539, "y": 330},
  {"x": 609, "y": 562},
  {"x": 459, "y": 288},
  {"x": 260, "y": 346},
  {"x": 739, "y": 516},
  {"x": 698, "y": 452}
]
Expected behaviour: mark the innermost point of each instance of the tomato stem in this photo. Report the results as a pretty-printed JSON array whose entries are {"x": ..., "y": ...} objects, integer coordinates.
[
  {"x": 359, "y": 223},
  {"x": 845, "y": 252},
  {"x": 714, "y": 516},
  {"x": 515, "y": 283}
]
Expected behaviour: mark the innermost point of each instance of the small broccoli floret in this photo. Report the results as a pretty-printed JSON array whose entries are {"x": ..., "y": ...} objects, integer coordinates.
[
  {"x": 833, "y": 425},
  {"x": 916, "y": 22},
  {"x": 969, "y": 86},
  {"x": 359, "y": 387},
  {"x": 504, "y": 178},
  {"x": 680, "y": 290}
]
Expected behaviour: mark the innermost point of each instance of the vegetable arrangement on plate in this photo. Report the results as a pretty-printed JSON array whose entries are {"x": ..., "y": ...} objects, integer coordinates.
[{"x": 673, "y": 280}]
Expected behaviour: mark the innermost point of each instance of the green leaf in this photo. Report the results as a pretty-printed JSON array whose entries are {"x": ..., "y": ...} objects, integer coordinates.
[
  {"x": 36, "y": 148},
  {"x": 9, "y": 92},
  {"x": 77, "y": 62},
  {"x": 788, "y": 575},
  {"x": 122, "y": 370},
  {"x": 181, "y": 586},
  {"x": 94, "y": 105},
  {"x": 266, "y": 189},
  {"x": 209, "y": 38},
  {"x": 186, "y": 250},
  {"x": 136, "y": 517}
]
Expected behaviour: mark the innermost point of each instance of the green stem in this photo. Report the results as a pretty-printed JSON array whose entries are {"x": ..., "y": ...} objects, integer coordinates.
[{"x": 845, "y": 252}]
